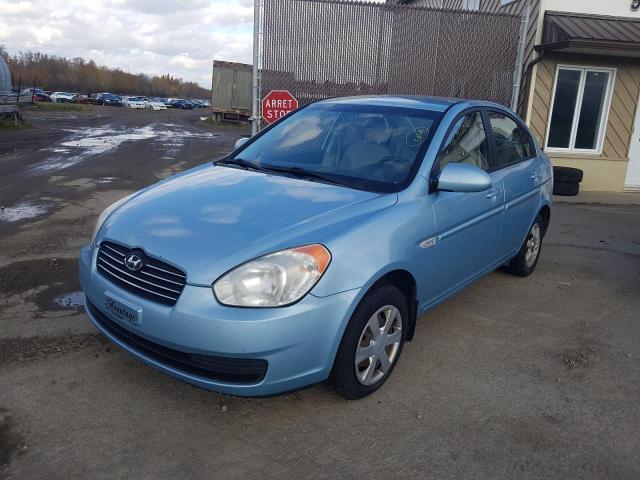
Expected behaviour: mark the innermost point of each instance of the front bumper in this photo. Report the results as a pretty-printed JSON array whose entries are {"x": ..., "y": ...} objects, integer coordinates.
[{"x": 298, "y": 342}]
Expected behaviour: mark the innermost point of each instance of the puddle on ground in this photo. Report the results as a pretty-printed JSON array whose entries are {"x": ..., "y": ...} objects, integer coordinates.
[
  {"x": 105, "y": 180},
  {"x": 87, "y": 142},
  {"x": 22, "y": 211},
  {"x": 70, "y": 300}
]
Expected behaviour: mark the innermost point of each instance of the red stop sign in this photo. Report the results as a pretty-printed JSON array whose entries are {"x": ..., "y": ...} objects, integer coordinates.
[{"x": 277, "y": 104}]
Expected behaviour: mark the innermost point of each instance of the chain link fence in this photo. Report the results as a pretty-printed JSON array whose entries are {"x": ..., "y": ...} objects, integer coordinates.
[{"x": 328, "y": 48}]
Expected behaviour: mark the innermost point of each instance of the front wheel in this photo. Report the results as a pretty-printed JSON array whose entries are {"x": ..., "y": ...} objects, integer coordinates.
[
  {"x": 371, "y": 344},
  {"x": 524, "y": 263}
]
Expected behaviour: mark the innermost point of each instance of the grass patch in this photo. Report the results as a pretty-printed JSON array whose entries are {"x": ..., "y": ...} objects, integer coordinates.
[
  {"x": 9, "y": 125},
  {"x": 54, "y": 107}
]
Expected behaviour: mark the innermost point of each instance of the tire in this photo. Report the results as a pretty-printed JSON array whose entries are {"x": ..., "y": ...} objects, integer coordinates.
[
  {"x": 383, "y": 303},
  {"x": 567, "y": 175},
  {"x": 523, "y": 264},
  {"x": 565, "y": 189}
]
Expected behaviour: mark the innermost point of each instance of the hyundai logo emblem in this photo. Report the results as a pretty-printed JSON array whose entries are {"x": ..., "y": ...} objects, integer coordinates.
[{"x": 133, "y": 262}]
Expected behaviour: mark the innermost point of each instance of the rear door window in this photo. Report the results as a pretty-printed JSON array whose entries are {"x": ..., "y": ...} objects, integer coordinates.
[{"x": 512, "y": 142}]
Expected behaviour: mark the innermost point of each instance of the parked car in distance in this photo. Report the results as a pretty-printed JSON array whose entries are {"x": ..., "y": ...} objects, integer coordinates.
[
  {"x": 81, "y": 98},
  {"x": 308, "y": 253},
  {"x": 165, "y": 101},
  {"x": 156, "y": 104},
  {"x": 62, "y": 97},
  {"x": 41, "y": 97},
  {"x": 37, "y": 94},
  {"x": 182, "y": 104},
  {"x": 135, "y": 102},
  {"x": 108, "y": 99}
]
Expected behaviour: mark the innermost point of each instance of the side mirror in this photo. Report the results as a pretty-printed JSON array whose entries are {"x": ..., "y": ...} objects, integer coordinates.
[
  {"x": 240, "y": 142},
  {"x": 460, "y": 177}
]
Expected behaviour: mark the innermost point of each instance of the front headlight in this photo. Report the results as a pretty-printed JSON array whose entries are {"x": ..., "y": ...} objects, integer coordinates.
[
  {"x": 273, "y": 280},
  {"x": 105, "y": 214}
]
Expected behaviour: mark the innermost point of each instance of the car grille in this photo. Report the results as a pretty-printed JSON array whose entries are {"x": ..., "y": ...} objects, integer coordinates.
[
  {"x": 156, "y": 280},
  {"x": 222, "y": 369}
]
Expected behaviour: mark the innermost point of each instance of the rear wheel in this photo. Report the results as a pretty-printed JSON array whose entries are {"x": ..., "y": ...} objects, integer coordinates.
[
  {"x": 524, "y": 263},
  {"x": 371, "y": 344}
]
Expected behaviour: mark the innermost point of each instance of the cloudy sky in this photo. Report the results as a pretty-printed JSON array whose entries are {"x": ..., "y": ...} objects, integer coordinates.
[{"x": 180, "y": 37}]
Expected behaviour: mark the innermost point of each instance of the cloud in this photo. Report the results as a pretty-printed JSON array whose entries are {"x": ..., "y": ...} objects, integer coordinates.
[
  {"x": 160, "y": 6},
  {"x": 183, "y": 60},
  {"x": 178, "y": 37}
]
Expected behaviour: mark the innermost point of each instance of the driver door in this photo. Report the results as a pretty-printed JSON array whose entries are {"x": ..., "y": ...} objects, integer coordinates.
[{"x": 468, "y": 225}]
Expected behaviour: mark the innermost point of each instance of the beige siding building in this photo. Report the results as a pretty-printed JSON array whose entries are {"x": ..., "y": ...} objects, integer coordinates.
[
  {"x": 606, "y": 165},
  {"x": 585, "y": 88}
]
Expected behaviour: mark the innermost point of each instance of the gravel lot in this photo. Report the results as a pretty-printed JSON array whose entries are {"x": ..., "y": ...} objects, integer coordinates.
[{"x": 513, "y": 378}]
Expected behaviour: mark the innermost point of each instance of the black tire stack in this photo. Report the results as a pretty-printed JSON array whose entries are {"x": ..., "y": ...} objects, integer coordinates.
[{"x": 566, "y": 181}]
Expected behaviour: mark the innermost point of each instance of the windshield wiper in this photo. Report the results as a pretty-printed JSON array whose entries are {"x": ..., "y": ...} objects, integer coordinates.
[
  {"x": 301, "y": 173},
  {"x": 244, "y": 164},
  {"x": 294, "y": 171}
]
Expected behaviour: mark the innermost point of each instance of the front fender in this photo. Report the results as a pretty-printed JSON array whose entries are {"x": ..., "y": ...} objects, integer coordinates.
[{"x": 389, "y": 240}]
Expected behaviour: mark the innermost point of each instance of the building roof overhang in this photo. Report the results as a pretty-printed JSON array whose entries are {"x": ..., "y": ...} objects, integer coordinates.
[{"x": 590, "y": 34}]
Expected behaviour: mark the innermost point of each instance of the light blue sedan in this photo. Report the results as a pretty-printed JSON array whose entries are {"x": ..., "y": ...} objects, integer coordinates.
[{"x": 308, "y": 253}]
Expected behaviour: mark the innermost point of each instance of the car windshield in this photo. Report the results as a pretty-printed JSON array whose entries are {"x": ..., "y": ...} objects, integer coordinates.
[{"x": 374, "y": 148}]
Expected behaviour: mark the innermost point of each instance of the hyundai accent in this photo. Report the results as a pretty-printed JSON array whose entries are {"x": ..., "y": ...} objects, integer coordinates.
[{"x": 308, "y": 253}]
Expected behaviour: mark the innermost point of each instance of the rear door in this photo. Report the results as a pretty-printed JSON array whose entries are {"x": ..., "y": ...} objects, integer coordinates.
[
  {"x": 467, "y": 224},
  {"x": 514, "y": 160}
]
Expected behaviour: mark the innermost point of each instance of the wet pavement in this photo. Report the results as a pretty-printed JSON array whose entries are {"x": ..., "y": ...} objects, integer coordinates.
[{"x": 513, "y": 378}]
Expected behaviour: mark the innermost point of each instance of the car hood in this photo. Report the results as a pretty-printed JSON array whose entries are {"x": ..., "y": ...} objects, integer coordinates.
[{"x": 213, "y": 218}]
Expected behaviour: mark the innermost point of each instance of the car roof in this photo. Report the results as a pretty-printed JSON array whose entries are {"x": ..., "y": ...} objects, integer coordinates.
[{"x": 438, "y": 104}]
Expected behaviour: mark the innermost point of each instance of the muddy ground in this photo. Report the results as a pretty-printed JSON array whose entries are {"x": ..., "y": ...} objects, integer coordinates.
[{"x": 513, "y": 378}]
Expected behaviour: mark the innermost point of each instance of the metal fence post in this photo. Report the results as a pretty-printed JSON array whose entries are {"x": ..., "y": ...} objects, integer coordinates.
[
  {"x": 522, "y": 43},
  {"x": 255, "y": 104},
  {"x": 19, "y": 90}
]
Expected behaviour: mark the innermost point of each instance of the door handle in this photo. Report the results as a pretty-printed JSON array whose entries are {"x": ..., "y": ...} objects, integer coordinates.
[{"x": 493, "y": 193}]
